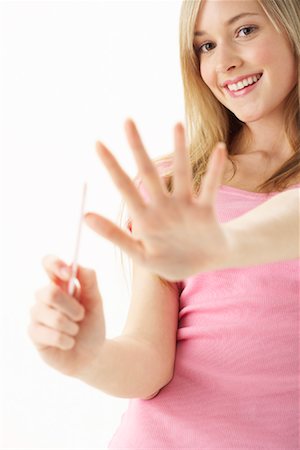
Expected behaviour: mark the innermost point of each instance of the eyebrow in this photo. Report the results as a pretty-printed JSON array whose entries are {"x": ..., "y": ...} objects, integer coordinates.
[{"x": 229, "y": 22}]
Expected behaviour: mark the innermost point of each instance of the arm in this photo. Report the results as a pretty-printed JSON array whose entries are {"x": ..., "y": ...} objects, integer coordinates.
[
  {"x": 127, "y": 368},
  {"x": 268, "y": 233},
  {"x": 140, "y": 362}
]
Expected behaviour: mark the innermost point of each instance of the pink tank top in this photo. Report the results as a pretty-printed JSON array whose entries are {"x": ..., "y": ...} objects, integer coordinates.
[{"x": 236, "y": 375}]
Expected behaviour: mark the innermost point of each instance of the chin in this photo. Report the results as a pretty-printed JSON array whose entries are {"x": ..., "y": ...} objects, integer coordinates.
[{"x": 248, "y": 116}]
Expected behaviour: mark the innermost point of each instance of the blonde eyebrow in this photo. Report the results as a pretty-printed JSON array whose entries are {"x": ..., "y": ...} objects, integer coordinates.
[{"x": 229, "y": 22}]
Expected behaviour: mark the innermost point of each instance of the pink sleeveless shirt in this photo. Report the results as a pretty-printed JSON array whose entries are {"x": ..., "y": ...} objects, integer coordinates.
[{"x": 235, "y": 383}]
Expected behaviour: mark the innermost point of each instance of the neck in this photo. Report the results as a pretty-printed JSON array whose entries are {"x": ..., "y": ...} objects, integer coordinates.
[{"x": 266, "y": 136}]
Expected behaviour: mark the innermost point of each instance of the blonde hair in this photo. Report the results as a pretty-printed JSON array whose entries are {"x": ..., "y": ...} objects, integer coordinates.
[{"x": 208, "y": 121}]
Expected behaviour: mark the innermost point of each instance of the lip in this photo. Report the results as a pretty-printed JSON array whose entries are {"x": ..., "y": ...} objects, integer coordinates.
[
  {"x": 237, "y": 79},
  {"x": 244, "y": 91}
]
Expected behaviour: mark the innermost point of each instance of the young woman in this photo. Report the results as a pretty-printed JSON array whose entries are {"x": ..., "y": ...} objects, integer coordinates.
[{"x": 209, "y": 353}]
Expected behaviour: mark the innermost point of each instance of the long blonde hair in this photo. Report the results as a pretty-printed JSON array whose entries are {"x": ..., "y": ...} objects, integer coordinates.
[{"x": 208, "y": 121}]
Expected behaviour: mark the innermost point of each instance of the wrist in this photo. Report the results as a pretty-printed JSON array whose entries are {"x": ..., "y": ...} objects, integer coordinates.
[
  {"x": 90, "y": 364},
  {"x": 228, "y": 258},
  {"x": 226, "y": 249}
]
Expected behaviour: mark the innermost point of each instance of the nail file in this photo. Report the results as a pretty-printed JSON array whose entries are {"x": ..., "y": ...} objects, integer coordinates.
[{"x": 72, "y": 282}]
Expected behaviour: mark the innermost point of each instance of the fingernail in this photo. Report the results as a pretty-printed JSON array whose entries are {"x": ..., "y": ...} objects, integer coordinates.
[
  {"x": 222, "y": 145},
  {"x": 89, "y": 218},
  {"x": 64, "y": 273}
]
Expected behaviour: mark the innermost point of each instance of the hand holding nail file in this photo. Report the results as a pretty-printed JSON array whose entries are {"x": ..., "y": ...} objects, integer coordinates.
[{"x": 72, "y": 284}]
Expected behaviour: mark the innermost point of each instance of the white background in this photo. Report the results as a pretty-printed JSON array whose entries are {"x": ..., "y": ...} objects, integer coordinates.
[{"x": 71, "y": 72}]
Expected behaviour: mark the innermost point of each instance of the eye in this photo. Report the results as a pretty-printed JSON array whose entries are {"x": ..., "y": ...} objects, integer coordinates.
[
  {"x": 246, "y": 30},
  {"x": 204, "y": 48},
  {"x": 243, "y": 32}
]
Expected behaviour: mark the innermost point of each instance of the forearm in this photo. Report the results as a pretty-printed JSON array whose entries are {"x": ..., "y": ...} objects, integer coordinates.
[
  {"x": 268, "y": 233},
  {"x": 126, "y": 368}
]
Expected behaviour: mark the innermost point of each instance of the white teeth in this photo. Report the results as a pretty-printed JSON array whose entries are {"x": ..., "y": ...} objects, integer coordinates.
[{"x": 243, "y": 83}]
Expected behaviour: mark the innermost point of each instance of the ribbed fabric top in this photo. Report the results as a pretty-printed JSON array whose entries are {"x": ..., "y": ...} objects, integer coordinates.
[{"x": 235, "y": 383}]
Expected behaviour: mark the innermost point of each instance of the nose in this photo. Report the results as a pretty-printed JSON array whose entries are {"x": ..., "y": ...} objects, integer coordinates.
[{"x": 226, "y": 58}]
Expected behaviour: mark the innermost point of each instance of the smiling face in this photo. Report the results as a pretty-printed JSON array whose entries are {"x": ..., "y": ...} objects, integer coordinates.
[{"x": 247, "y": 64}]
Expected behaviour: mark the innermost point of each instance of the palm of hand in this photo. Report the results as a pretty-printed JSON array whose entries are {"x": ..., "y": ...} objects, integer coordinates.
[{"x": 176, "y": 235}]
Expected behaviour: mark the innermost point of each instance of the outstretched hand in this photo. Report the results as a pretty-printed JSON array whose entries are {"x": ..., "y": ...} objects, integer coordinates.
[{"x": 175, "y": 235}]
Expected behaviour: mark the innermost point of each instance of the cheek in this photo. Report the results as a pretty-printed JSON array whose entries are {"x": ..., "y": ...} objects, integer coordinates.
[
  {"x": 206, "y": 74},
  {"x": 270, "y": 53},
  {"x": 279, "y": 62},
  {"x": 261, "y": 55}
]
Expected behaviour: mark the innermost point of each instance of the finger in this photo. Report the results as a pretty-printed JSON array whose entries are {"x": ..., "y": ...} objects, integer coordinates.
[
  {"x": 44, "y": 337},
  {"x": 54, "y": 319},
  {"x": 182, "y": 166},
  {"x": 107, "y": 229},
  {"x": 213, "y": 176},
  {"x": 56, "y": 268},
  {"x": 54, "y": 297},
  {"x": 147, "y": 170},
  {"x": 122, "y": 181},
  {"x": 60, "y": 273}
]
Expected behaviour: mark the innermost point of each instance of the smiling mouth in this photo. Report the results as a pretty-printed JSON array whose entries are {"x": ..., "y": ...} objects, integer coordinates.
[{"x": 242, "y": 84}]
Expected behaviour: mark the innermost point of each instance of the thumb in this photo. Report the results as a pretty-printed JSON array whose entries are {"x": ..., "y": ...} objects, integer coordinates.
[
  {"x": 213, "y": 175},
  {"x": 88, "y": 291}
]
